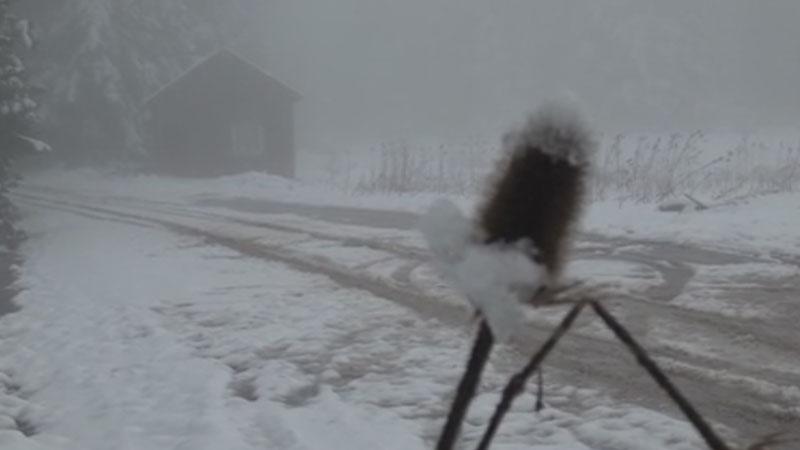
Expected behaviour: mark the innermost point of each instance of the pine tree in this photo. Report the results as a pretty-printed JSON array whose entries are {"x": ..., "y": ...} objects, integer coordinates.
[
  {"x": 102, "y": 58},
  {"x": 99, "y": 59},
  {"x": 17, "y": 113}
]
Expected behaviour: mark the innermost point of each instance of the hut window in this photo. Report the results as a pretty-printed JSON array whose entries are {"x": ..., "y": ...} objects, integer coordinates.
[{"x": 247, "y": 138}]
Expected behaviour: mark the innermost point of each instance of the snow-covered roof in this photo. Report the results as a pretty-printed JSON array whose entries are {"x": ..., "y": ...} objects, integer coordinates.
[{"x": 232, "y": 56}]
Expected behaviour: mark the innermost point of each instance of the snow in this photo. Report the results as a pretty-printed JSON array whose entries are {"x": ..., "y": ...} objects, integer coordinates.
[
  {"x": 286, "y": 356},
  {"x": 759, "y": 225},
  {"x": 98, "y": 17},
  {"x": 24, "y": 27},
  {"x": 36, "y": 144},
  {"x": 711, "y": 288},
  {"x": 494, "y": 278},
  {"x": 133, "y": 337},
  {"x": 619, "y": 276},
  {"x": 251, "y": 185},
  {"x": 446, "y": 230}
]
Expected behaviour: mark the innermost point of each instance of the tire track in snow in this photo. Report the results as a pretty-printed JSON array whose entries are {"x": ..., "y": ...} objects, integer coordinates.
[{"x": 585, "y": 358}]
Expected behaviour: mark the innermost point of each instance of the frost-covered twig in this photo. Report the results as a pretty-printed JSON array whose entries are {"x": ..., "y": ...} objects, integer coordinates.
[
  {"x": 517, "y": 382},
  {"x": 467, "y": 387},
  {"x": 713, "y": 441}
]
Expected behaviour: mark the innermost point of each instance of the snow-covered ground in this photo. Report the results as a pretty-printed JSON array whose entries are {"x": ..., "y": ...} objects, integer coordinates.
[
  {"x": 158, "y": 314},
  {"x": 759, "y": 224},
  {"x": 132, "y": 337}
]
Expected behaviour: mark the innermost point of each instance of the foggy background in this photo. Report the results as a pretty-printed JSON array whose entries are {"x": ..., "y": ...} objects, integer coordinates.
[
  {"x": 372, "y": 70},
  {"x": 376, "y": 69}
]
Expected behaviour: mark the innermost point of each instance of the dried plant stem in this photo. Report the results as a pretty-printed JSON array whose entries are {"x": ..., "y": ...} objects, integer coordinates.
[
  {"x": 712, "y": 440},
  {"x": 517, "y": 383},
  {"x": 467, "y": 387},
  {"x": 539, "y": 390}
]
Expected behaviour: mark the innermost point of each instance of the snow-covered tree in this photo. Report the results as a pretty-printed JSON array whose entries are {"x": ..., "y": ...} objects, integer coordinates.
[
  {"x": 17, "y": 112},
  {"x": 101, "y": 59}
]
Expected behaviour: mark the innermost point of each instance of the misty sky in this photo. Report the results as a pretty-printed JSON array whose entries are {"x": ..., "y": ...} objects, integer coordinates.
[{"x": 452, "y": 69}]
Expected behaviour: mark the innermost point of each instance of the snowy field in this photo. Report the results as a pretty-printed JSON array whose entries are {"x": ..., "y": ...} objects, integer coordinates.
[
  {"x": 160, "y": 314},
  {"x": 134, "y": 338}
]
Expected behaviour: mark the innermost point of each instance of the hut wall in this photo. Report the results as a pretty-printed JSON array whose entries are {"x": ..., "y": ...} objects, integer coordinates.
[{"x": 197, "y": 122}]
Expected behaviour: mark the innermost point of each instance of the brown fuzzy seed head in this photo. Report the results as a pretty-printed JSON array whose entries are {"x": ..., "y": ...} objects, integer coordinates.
[{"x": 540, "y": 186}]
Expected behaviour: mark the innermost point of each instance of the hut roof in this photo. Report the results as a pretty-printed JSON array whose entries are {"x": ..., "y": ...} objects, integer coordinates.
[{"x": 224, "y": 58}]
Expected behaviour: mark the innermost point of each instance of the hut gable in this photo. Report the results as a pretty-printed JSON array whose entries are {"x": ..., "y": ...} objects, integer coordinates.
[{"x": 224, "y": 115}]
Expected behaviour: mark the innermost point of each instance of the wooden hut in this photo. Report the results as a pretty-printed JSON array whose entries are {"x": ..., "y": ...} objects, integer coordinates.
[{"x": 224, "y": 115}]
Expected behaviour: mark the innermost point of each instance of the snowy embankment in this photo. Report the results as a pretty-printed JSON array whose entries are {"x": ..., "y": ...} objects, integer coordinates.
[
  {"x": 756, "y": 225},
  {"x": 131, "y": 337}
]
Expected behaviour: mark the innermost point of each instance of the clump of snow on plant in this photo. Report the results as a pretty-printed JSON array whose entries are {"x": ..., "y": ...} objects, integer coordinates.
[
  {"x": 447, "y": 231},
  {"x": 493, "y": 277},
  {"x": 558, "y": 131}
]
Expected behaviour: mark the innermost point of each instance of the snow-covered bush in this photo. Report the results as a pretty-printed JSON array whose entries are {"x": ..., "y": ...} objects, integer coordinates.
[{"x": 17, "y": 112}]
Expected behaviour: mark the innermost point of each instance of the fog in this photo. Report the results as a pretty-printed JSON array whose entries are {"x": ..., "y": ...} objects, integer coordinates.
[
  {"x": 449, "y": 69},
  {"x": 376, "y": 70}
]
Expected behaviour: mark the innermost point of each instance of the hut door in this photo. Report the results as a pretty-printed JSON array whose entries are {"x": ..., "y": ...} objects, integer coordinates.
[{"x": 247, "y": 138}]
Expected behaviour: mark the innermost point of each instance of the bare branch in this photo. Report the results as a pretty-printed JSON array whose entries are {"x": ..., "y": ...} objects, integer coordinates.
[
  {"x": 712, "y": 440},
  {"x": 467, "y": 387},
  {"x": 517, "y": 382}
]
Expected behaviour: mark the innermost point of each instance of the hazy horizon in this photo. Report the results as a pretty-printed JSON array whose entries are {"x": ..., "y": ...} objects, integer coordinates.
[{"x": 446, "y": 69}]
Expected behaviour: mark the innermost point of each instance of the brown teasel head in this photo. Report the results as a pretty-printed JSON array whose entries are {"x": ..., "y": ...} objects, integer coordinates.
[{"x": 538, "y": 190}]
